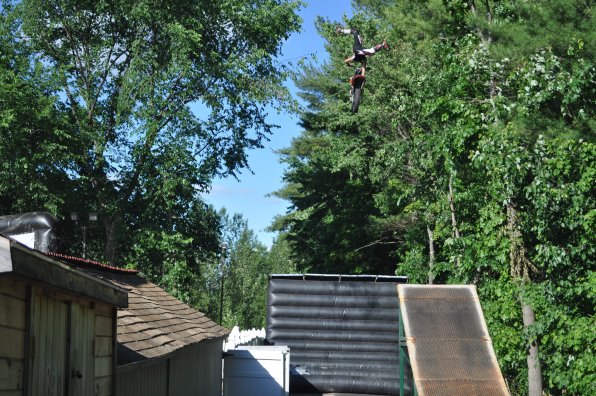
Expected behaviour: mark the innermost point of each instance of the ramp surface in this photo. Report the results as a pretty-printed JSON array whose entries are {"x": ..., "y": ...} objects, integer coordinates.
[{"x": 450, "y": 350}]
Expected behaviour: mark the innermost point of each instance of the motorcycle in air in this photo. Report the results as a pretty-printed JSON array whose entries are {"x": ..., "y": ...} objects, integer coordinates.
[{"x": 357, "y": 86}]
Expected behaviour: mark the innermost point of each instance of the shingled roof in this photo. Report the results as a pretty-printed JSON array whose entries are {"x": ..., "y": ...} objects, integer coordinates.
[{"x": 155, "y": 323}]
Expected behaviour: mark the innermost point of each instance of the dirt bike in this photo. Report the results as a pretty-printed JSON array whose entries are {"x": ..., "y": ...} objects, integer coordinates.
[{"x": 357, "y": 83}]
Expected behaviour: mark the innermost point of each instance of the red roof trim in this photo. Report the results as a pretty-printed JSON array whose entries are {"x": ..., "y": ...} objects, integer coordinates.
[{"x": 79, "y": 260}]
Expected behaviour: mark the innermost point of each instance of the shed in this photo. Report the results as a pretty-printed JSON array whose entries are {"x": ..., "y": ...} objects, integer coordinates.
[
  {"x": 165, "y": 347},
  {"x": 57, "y": 326}
]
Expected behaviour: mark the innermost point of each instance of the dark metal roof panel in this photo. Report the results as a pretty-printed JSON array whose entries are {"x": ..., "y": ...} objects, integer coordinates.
[
  {"x": 341, "y": 278},
  {"x": 448, "y": 342}
]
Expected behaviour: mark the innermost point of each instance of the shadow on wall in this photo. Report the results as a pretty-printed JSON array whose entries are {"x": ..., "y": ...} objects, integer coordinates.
[
  {"x": 127, "y": 355},
  {"x": 257, "y": 371}
]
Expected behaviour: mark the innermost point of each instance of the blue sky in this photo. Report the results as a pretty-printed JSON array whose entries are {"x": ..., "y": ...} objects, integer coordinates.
[{"x": 248, "y": 196}]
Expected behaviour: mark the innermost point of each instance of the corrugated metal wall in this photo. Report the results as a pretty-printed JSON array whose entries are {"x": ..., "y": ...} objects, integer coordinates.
[
  {"x": 194, "y": 370},
  {"x": 343, "y": 334}
]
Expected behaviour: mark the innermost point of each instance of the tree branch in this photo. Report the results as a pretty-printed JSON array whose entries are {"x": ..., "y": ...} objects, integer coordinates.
[
  {"x": 431, "y": 254},
  {"x": 377, "y": 242},
  {"x": 454, "y": 227},
  {"x": 75, "y": 52}
]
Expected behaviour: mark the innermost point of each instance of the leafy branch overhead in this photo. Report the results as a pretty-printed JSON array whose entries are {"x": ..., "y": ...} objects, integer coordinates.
[
  {"x": 466, "y": 163},
  {"x": 129, "y": 109},
  {"x": 471, "y": 159},
  {"x": 143, "y": 80}
]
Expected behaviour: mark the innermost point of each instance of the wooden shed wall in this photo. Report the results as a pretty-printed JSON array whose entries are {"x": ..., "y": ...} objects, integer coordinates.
[
  {"x": 196, "y": 370},
  {"x": 13, "y": 302},
  {"x": 193, "y": 370},
  {"x": 104, "y": 349},
  {"x": 47, "y": 345},
  {"x": 52, "y": 317},
  {"x": 146, "y": 378}
]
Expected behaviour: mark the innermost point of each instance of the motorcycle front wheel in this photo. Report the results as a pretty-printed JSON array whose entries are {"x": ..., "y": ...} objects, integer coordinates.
[{"x": 357, "y": 96}]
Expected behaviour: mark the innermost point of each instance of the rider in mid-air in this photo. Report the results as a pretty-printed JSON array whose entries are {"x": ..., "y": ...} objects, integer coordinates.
[{"x": 360, "y": 53}]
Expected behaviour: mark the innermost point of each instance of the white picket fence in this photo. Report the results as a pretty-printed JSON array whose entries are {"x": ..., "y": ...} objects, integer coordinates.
[{"x": 244, "y": 337}]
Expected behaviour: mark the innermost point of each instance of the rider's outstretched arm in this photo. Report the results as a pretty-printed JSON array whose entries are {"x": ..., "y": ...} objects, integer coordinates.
[{"x": 348, "y": 61}]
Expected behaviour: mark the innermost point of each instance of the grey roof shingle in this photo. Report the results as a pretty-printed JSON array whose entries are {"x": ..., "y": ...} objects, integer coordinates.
[{"x": 155, "y": 323}]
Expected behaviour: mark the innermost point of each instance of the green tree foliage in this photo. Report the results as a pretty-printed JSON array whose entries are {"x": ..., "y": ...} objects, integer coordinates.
[
  {"x": 36, "y": 144},
  {"x": 178, "y": 253},
  {"x": 128, "y": 109},
  {"x": 473, "y": 152},
  {"x": 129, "y": 73},
  {"x": 332, "y": 200},
  {"x": 245, "y": 271}
]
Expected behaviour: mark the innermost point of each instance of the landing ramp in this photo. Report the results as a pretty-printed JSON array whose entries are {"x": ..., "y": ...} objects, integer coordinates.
[{"x": 449, "y": 347}]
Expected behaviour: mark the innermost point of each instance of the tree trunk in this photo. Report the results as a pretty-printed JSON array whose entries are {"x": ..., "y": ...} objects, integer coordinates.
[
  {"x": 520, "y": 267},
  {"x": 456, "y": 234},
  {"x": 431, "y": 255},
  {"x": 111, "y": 227},
  {"x": 452, "y": 207},
  {"x": 534, "y": 369}
]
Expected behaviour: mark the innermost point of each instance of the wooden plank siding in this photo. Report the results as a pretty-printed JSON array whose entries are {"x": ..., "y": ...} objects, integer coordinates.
[
  {"x": 54, "y": 318},
  {"x": 163, "y": 346},
  {"x": 58, "y": 275},
  {"x": 57, "y": 326},
  {"x": 194, "y": 370},
  {"x": 82, "y": 350},
  {"x": 104, "y": 350},
  {"x": 11, "y": 376},
  {"x": 148, "y": 378},
  {"x": 13, "y": 296},
  {"x": 48, "y": 334}
]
